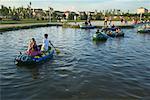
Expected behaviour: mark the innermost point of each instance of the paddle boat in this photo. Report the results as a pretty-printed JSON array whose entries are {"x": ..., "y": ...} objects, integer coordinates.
[{"x": 24, "y": 59}]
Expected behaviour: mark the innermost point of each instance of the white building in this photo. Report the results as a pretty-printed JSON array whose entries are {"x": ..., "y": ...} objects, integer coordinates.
[{"x": 142, "y": 10}]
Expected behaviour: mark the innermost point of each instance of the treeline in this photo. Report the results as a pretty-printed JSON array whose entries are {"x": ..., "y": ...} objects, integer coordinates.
[{"x": 40, "y": 14}]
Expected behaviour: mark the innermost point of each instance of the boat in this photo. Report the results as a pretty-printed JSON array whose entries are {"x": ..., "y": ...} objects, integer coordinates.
[
  {"x": 143, "y": 30},
  {"x": 87, "y": 27},
  {"x": 100, "y": 37},
  {"x": 24, "y": 59}
]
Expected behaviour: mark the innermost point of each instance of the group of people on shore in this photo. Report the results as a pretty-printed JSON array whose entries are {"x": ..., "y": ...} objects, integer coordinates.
[
  {"x": 88, "y": 22},
  {"x": 108, "y": 20},
  {"x": 34, "y": 49}
]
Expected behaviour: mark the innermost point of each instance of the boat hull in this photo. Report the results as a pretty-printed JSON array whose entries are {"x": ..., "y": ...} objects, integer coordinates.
[{"x": 24, "y": 59}]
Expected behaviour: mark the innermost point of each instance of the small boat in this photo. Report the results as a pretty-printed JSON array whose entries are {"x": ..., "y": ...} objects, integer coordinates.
[
  {"x": 115, "y": 34},
  {"x": 100, "y": 37},
  {"x": 87, "y": 27},
  {"x": 24, "y": 59},
  {"x": 143, "y": 30}
]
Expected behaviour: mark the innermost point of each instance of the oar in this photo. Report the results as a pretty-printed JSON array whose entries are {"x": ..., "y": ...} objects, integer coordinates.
[{"x": 57, "y": 51}]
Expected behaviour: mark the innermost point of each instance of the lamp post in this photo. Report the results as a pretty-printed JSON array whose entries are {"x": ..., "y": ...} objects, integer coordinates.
[
  {"x": 50, "y": 14},
  {"x": 140, "y": 16}
]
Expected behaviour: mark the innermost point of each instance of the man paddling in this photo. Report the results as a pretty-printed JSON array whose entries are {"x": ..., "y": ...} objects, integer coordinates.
[{"x": 45, "y": 46}]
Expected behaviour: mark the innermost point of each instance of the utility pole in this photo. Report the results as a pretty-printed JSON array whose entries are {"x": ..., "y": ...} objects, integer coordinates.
[{"x": 30, "y": 9}]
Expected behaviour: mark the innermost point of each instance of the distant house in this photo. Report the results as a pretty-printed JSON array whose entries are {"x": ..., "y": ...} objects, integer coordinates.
[
  {"x": 59, "y": 13},
  {"x": 142, "y": 10},
  {"x": 71, "y": 15},
  {"x": 67, "y": 14}
]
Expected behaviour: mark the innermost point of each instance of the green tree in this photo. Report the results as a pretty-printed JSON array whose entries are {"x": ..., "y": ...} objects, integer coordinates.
[
  {"x": 83, "y": 16},
  {"x": 4, "y": 10}
]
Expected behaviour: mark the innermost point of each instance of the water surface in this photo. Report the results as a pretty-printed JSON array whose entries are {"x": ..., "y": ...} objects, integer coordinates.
[{"x": 116, "y": 69}]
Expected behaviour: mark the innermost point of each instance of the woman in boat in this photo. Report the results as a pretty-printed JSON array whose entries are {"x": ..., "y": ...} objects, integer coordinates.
[{"x": 32, "y": 48}]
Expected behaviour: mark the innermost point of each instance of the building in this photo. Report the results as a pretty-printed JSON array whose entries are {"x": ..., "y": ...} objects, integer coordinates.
[
  {"x": 38, "y": 13},
  {"x": 142, "y": 10}
]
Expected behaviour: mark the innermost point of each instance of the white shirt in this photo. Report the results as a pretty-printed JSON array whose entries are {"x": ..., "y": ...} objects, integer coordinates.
[{"x": 45, "y": 45}]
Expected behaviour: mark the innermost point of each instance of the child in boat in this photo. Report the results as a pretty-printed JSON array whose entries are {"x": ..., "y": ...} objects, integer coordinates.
[
  {"x": 45, "y": 45},
  {"x": 32, "y": 48}
]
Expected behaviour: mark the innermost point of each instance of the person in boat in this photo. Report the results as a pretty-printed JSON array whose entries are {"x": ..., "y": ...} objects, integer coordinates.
[
  {"x": 97, "y": 32},
  {"x": 32, "y": 48},
  {"x": 118, "y": 30},
  {"x": 113, "y": 27},
  {"x": 45, "y": 45}
]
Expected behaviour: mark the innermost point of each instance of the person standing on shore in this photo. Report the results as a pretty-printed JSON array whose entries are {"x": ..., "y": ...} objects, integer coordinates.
[
  {"x": 110, "y": 20},
  {"x": 105, "y": 21},
  {"x": 121, "y": 20}
]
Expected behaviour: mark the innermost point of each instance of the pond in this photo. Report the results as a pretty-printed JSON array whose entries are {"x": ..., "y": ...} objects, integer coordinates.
[{"x": 116, "y": 69}]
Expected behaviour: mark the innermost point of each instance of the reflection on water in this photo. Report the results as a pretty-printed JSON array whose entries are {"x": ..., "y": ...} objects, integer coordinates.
[{"x": 115, "y": 69}]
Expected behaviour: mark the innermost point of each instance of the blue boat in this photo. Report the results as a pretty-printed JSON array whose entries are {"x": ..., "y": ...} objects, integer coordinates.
[
  {"x": 24, "y": 59},
  {"x": 87, "y": 27}
]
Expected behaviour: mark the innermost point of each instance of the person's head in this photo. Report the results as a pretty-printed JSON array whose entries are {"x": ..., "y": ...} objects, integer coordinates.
[
  {"x": 33, "y": 40},
  {"x": 97, "y": 30},
  {"x": 46, "y": 36},
  {"x": 117, "y": 29}
]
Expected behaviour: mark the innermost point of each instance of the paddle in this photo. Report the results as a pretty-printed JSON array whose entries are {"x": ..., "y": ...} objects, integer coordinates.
[{"x": 57, "y": 51}]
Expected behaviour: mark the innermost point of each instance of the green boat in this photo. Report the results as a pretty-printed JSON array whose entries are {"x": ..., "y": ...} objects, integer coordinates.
[
  {"x": 143, "y": 30},
  {"x": 100, "y": 37}
]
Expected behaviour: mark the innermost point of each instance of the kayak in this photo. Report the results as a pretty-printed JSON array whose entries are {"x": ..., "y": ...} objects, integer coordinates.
[
  {"x": 115, "y": 34},
  {"x": 24, "y": 59},
  {"x": 87, "y": 27},
  {"x": 100, "y": 37},
  {"x": 144, "y": 31}
]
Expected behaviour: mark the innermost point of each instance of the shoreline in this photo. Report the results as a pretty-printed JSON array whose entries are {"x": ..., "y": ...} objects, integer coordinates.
[{"x": 13, "y": 27}]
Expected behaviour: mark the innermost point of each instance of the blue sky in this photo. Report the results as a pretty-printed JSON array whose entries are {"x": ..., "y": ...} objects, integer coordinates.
[{"x": 81, "y": 5}]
